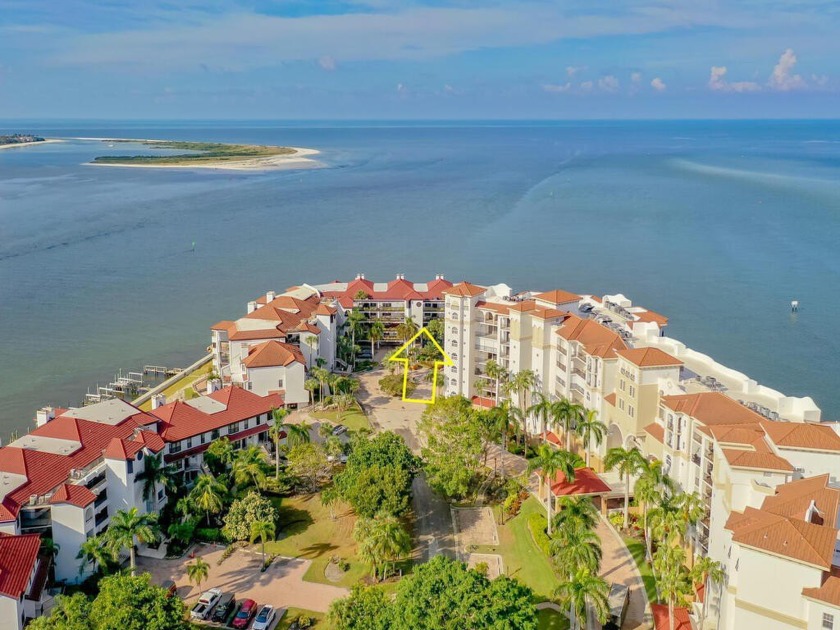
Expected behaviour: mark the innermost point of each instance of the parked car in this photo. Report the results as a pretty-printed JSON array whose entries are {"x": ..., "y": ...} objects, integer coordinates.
[
  {"x": 205, "y": 604},
  {"x": 223, "y": 609},
  {"x": 245, "y": 613},
  {"x": 170, "y": 587},
  {"x": 264, "y": 618},
  {"x": 339, "y": 429}
]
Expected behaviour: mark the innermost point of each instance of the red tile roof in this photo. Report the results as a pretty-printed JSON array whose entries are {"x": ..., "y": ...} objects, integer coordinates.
[
  {"x": 756, "y": 460},
  {"x": 18, "y": 556},
  {"x": 587, "y": 482},
  {"x": 662, "y": 621},
  {"x": 712, "y": 408},
  {"x": 552, "y": 438},
  {"x": 656, "y": 431},
  {"x": 597, "y": 340},
  {"x": 610, "y": 398},
  {"x": 273, "y": 354},
  {"x": 46, "y": 471},
  {"x": 122, "y": 449},
  {"x": 558, "y": 296},
  {"x": 828, "y": 592},
  {"x": 487, "y": 403},
  {"x": 464, "y": 289},
  {"x": 260, "y": 428},
  {"x": 802, "y": 435},
  {"x": 74, "y": 495},
  {"x": 649, "y": 357},
  {"x": 182, "y": 420},
  {"x": 397, "y": 289}
]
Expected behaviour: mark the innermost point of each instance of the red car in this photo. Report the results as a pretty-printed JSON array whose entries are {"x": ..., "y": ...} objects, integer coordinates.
[{"x": 245, "y": 613}]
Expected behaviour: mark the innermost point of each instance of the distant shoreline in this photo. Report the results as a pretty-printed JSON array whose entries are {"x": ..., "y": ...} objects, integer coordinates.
[
  {"x": 233, "y": 157},
  {"x": 16, "y": 145}
]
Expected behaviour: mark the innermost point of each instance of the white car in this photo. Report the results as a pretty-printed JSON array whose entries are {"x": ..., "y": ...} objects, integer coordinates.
[
  {"x": 205, "y": 604},
  {"x": 264, "y": 618}
]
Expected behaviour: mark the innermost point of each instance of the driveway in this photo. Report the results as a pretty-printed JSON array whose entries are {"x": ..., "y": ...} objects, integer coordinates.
[
  {"x": 433, "y": 531},
  {"x": 281, "y": 585},
  {"x": 387, "y": 413}
]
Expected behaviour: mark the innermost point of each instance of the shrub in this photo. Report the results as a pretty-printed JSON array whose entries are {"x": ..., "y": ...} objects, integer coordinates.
[
  {"x": 250, "y": 508},
  {"x": 537, "y": 525},
  {"x": 303, "y": 621},
  {"x": 182, "y": 532},
  {"x": 228, "y": 552},
  {"x": 616, "y": 519},
  {"x": 393, "y": 385},
  {"x": 208, "y": 534}
]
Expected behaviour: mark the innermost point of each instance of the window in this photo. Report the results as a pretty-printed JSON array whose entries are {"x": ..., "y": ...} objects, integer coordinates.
[
  {"x": 214, "y": 435},
  {"x": 175, "y": 447},
  {"x": 454, "y": 330},
  {"x": 188, "y": 443},
  {"x": 247, "y": 422},
  {"x": 621, "y": 404},
  {"x": 203, "y": 438},
  {"x": 454, "y": 355},
  {"x": 280, "y": 383},
  {"x": 233, "y": 428},
  {"x": 621, "y": 384},
  {"x": 160, "y": 494},
  {"x": 632, "y": 391},
  {"x": 250, "y": 386},
  {"x": 828, "y": 621},
  {"x": 130, "y": 464},
  {"x": 630, "y": 410},
  {"x": 453, "y": 382}
]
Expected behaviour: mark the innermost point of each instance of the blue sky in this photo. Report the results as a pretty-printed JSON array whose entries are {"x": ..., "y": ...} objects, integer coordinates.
[{"x": 293, "y": 59}]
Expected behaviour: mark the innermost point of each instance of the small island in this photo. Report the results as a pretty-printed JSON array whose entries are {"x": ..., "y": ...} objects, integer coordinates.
[{"x": 215, "y": 155}]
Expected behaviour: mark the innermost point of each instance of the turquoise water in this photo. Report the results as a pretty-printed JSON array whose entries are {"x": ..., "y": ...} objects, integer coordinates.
[{"x": 717, "y": 225}]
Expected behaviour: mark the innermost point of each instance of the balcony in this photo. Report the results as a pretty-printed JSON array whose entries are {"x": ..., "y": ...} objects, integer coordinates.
[
  {"x": 561, "y": 350},
  {"x": 101, "y": 517},
  {"x": 561, "y": 366},
  {"x": 579, "y": 372},
  {"x": 579, "y": 363}
]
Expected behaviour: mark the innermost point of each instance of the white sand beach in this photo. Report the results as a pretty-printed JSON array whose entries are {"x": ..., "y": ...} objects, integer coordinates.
[{"x": 20, "y": 145}]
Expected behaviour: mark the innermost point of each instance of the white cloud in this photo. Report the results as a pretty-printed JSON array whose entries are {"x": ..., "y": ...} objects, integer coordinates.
[
  {"x": 571, "y": 71},
  {"x": 327, "y": 63},
  {"x": 586, "y": 86},
  {"x": 636, "y": 77},
  {"x": 608, "y": 83},
  {"x": 557, "y": 88},
  {"x": 783, "y": 78},
  {"x": 658, "y": 85},
  {"x": 401, "y": 89},
  {"x": 718, "y": 82}
]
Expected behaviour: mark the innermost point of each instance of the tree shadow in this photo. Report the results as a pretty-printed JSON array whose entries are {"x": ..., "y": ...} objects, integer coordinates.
[
  {"x": 293, "y": 521},
  {"x": 316, "y": 550}
]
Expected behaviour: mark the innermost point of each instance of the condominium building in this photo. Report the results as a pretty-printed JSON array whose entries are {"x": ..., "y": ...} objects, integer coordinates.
[
  {"x": 67, "y": 478},
  {"x": 23, "y": 575},
  {"x": 391, "y": 303}
]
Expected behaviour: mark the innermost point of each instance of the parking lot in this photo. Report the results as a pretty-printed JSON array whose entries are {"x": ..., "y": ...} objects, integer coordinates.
[{"x": 281, "y": 585}]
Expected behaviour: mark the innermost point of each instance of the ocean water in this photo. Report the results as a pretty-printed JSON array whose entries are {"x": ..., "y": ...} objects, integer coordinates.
[{"x": 718, "y": 225}]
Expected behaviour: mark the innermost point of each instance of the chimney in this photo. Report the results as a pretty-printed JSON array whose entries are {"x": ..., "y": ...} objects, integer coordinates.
[
  {"x": 158, "y": 400},
  {"x": 400, "y": 276},
  {"x": 269, "y": 296},
  {"x": 44, "y": 415},
  {"x": 439, "y": 277},
  {"x": 252, "y": 306}
]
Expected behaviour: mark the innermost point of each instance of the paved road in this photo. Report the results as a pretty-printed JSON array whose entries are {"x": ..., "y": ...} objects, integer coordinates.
[{"x": 433, "y": 532}]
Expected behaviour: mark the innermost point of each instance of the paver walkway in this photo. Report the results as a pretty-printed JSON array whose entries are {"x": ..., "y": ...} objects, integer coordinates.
[
  {"x": 282, "y": 584},
  {"x": 618, "y": 566},
  {"x": 433, "y": 527}
]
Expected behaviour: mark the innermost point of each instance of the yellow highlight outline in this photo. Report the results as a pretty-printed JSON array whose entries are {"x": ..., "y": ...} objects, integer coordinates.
[{"x": 404, "y": 348}]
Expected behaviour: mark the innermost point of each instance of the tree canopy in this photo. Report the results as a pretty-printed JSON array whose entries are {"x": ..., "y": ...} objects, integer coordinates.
[
  {"x": 441, "y": 594},
  {"x": 454, "y": 445},
  {"x": 124, "y": 602},
  {"x": 251, "y": 508}
]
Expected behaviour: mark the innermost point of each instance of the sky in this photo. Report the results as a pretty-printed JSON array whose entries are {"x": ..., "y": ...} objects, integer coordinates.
[{"x": 407, "y": 59}]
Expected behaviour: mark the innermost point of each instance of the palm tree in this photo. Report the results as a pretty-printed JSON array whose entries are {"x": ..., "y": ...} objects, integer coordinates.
[
  {"x": 249, "y": 466},
  {"x": 381, "y": 540},
  {"x": 155, "y": 472},
  {"x": 312, "y": 342},
  {"x": 542, "y": 409},
  {"x": 590, "y": 429},
  {"x": 575, "y": 512},
  {"x": 275, "y": 432},
  {"x": 567, "y": 414},
  {"x": 375, "y": 333},
  {"x": 342, "y": 403},
  {"x": 406, "y": 329},
  {"x": 673, "y": 579},
  {"x": 49, "y": 547},
  {"x": 95, "y": 551},
  {"x": 577, "y": 547},
  {"x": 691, "y": 509},
  {"x": 322, "y": 375},
  {"x": 652, "y": 486},
  {"x": 520, "y": 383},
  {"x": 354, "y": 323},
  {"x": 706, "y": 572},
  {"x": 549, "y": 461},
  {"x": 498, "y": 374},
  {"x": 329, "y": 497},
  {"x": 262, "y": 530},
  {"x": 628, "y": 462},
  {"x": 222, "y": 449},
  {"x": 129, "y": 527},
  {"x": 310, "y": 385},
  {"x": 499, "y": 422},
  {"x": 207, "y": 495},
  {"x": 582, "y": 589},
  {"x": 198, "y": 571}
]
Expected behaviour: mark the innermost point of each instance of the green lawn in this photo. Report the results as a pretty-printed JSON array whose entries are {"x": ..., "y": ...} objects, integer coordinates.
[
  {"x": 307, "y": 531},
  {"x": 523, "y": 559},
  {"x": 548, "y": 619},
  {"x": 637, "y": 550},
  {"x": 354, "y": 418},
  {"x": 292, "y": 613},
  {"x": 180, "y": 384}
]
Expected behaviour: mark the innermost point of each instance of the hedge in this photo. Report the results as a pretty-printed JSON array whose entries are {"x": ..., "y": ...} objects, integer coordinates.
[{"x": 537, "y": 524}]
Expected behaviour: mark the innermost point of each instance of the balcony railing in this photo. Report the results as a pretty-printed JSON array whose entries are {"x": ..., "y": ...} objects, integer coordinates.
[{"x": 579, "y": 372}]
